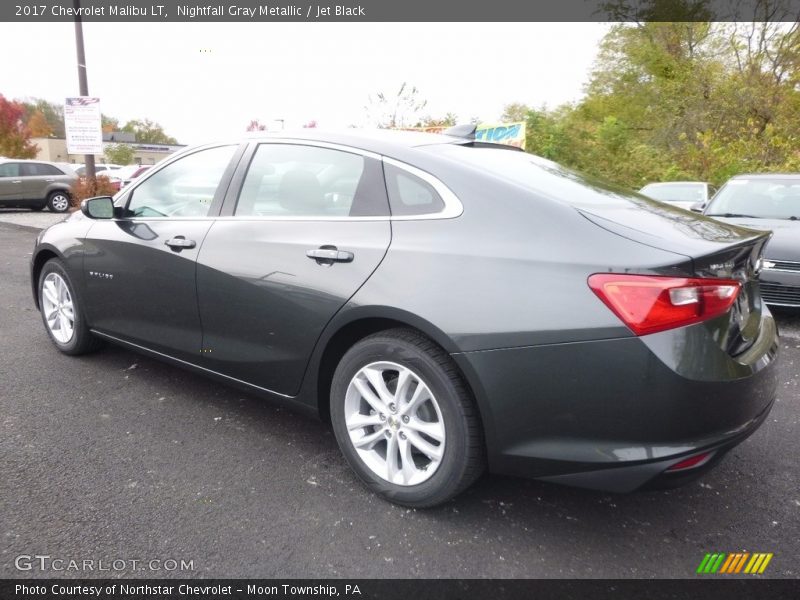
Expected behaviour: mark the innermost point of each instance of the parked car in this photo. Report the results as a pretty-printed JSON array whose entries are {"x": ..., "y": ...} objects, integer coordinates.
[
  {"x": 98, "y": 168},
  {"x": 35, "y": 184},
  {"x": 109, "y": 171},
  {"x": 446, "y": 304},
  {"x": 131, "y": 172},
  {"x": 769, "y": 201},
  {"x": 684, "y": 194}
]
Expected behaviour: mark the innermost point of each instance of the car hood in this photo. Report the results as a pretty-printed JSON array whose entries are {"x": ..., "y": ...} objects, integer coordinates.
[{"x": 785, "y": 242}]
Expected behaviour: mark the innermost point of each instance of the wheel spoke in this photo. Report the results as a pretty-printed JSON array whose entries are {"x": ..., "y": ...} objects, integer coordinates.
[
  {"x": 366, "y": 442},
  {"x": 51, "y": 316},
  {"x": 367, "y": 394},
  {"x": 421, "y": 394},
  {"x": 375, "y": 377},
  {"x": 409, "y": 469},
  {"x": 392, "y": 461},
  {"x": 49, "y": 292},
  {"x": 68, "y": 312},
  {"x": 432, "y": 430},
  {"x": 359, "y": 421},
  {"x": 424, "y": 446},
  {"x": 404, "y": 380}
]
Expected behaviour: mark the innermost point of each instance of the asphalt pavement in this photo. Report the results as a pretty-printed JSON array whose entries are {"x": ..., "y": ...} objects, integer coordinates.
[{"x": 117, "y": 457}]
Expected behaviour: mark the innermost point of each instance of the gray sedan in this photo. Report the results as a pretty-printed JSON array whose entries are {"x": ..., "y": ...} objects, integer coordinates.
[{"x": 447, "y": 305}]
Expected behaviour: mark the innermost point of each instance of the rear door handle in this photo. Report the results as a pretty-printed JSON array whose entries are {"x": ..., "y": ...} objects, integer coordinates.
[
  {"x": 329, "y": 254},
  {"x": 179, "y": 243}
]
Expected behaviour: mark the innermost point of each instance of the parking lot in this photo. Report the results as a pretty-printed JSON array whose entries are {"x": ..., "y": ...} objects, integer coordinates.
[{"x": 115, "y": 456}]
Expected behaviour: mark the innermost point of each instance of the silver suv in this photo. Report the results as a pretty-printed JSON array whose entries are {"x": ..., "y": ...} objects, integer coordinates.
[{"x": 35, "y": 184}]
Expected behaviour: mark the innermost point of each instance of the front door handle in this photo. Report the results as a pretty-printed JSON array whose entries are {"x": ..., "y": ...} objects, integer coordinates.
[
  {"x": 179, "y": 243},
  {"x": 329, "y": 255}
]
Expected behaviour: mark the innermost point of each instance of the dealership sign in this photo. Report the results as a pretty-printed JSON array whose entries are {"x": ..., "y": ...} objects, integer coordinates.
[
  {"x": 511, "y": 134},
  {"x": 83, "y": 127}
]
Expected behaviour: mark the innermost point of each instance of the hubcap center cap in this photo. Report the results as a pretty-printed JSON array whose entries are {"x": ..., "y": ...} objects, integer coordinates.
[{"x": 394, "y": 423}]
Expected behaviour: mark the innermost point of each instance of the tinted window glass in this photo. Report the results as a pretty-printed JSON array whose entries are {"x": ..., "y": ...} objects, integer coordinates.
[
  {"x": 184, "y": 188},
  {"x": 38, "y": 169},
  {"x": 303, "y": 181},
  {"x": 410, "y": 195},
  {"x": 9, "y": 170}
]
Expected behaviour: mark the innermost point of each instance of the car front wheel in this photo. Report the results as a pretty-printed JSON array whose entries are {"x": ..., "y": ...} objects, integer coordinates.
[
  {"x": 58, "y": 202},
  {"x": 404, "y": 419},
  {"x": 62, "y": 312}
]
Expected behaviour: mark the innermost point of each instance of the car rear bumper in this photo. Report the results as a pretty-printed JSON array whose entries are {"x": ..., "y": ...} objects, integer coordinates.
[{"x": 615, "y": 414}]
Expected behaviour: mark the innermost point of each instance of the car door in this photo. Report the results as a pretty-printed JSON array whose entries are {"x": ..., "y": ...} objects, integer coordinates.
[
  {"x": 307, "y": 228},
  {"x": 10, "y": 182},
  {"x": 139, "y": 267},
  {"x": 36, "y": 178}
]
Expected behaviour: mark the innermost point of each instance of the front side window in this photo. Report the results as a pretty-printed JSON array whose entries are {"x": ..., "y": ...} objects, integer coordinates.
[
  {"x": 9, "y": 170},
  {"x": 288, "y": 180},
  {"x": 184, "y": 188}
]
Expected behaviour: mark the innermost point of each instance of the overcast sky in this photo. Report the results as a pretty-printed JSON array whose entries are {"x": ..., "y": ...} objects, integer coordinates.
[{"x": 207, "y": 81}]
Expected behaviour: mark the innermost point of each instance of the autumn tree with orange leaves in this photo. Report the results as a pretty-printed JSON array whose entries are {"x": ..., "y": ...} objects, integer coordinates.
[{"x": 15, "y": 137}]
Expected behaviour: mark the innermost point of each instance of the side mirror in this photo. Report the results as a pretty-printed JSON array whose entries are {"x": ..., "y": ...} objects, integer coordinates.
[
  {"x": 101, "y": 207},
  {"x": 697, "y": 206}
]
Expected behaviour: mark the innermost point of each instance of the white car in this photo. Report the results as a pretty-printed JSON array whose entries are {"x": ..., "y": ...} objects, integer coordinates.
[{"x": 684, "y": 194}]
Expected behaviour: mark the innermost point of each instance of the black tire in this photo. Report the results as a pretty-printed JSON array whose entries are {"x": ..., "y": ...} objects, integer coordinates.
[
  {"x": 463, "y": 459},
  {"x": 82, "y": 340},
  {"x": 58, "y": 201}
]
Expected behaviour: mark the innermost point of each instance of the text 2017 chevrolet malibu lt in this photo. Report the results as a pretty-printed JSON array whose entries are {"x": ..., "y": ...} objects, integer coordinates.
[{"x": 447, "y": 304}]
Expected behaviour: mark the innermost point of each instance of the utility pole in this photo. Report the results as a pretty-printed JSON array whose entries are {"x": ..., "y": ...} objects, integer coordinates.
[{"x": 84, "y": 86}]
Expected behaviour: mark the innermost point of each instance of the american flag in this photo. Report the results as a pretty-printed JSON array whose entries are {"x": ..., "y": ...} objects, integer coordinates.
[{"x": 82, "y": 101}]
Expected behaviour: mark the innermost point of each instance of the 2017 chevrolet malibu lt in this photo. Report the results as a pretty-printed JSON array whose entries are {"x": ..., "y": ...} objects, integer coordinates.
[
  {"x": 446, "y": 304},
  {"x": 769, "y": 201}
]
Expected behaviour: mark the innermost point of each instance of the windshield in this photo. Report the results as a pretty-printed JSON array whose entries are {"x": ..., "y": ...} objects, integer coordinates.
[
  {"x": 758, "y": 198},
  {"x": 675, "y": 192}
]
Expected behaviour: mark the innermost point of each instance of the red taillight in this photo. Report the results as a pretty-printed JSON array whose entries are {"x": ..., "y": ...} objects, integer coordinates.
[
  {"x": 690, "y": 463},
  {"x": 648, "y": 303}
]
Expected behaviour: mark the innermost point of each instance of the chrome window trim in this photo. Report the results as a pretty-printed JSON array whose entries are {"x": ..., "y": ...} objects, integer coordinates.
[{"x": 452, "y": 205}]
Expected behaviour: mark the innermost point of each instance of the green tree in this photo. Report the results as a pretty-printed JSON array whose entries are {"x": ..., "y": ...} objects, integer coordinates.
[
  {"x": 148, "y": 132},
  {"x": 14, "y": 134},
  {"x": 120, "y": 154}
]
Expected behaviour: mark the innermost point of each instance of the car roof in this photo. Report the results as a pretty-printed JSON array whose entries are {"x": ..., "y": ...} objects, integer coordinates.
[
  {"x": 28, "y": 160},
  {"x": 380, "y": 141},
  {"x": 767, "y": 176}
]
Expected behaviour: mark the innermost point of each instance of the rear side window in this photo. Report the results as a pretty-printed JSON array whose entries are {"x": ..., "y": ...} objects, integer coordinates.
[
  {"x": 9, "y": 170},
  {"x": 292, "y": 180},
  {"x": 410, "y": 195}
]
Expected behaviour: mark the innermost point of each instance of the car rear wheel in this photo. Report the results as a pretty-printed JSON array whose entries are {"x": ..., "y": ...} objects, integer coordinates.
[
  {"x": 58, "y": 202},
  {"x": 62, "y": 312},
  {"x": 404, "y": 419}
]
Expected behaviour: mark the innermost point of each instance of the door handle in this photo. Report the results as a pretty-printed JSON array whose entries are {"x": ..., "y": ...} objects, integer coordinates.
[
  {"x": 329, "y": 255},
  {"x": 17, "y": 181},
  {"x": 179, "y": 243}
]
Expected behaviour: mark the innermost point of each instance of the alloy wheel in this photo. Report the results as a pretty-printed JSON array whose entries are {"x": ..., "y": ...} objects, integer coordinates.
[
  {"x": 395, "y": 423},
  {"x": 58, "y": 307}
]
